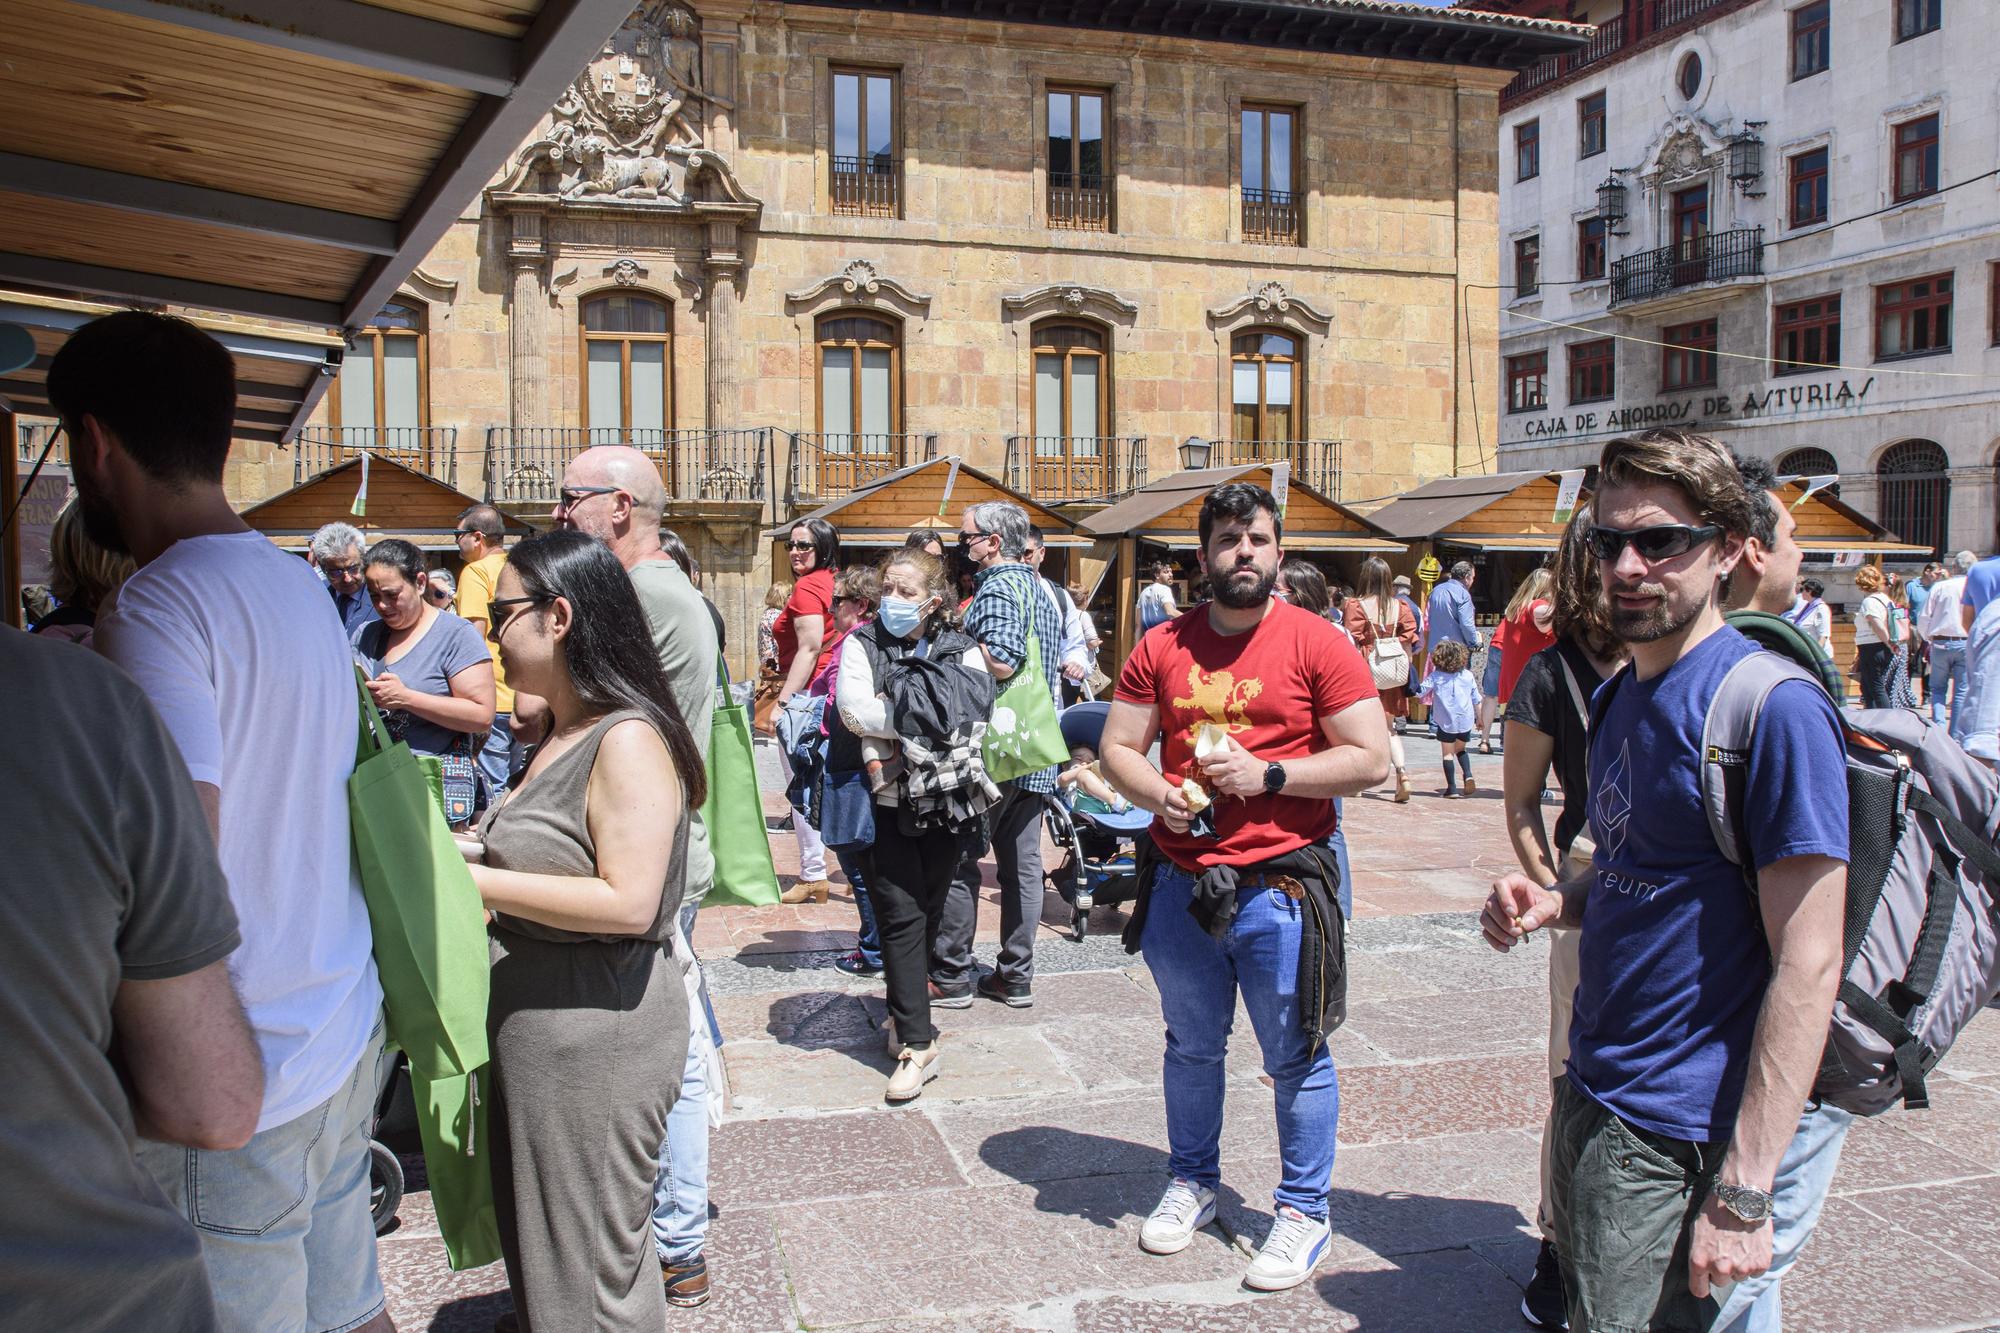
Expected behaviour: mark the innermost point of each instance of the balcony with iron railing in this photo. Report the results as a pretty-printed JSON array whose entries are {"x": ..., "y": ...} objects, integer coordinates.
[
  {"x": 1071, "y": 469},
  {"x": 1717, "y": 257},
  {"x": 1270, "y": 217},
  {"x": 1652, "y": 21},
  {"x": 524, "y": 464},
  {"x": 431, "y": 450},
  {"x": 868, "y": 187},
  {"x": 1314, "y": 462},
  {"x": 1079, "y": 201},
  {"x": 827, "y": 465}
]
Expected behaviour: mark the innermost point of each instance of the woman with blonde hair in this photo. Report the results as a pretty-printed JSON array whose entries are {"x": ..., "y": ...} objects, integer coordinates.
[
  {"x": 1874, "y": 637},
  {"x": 1526, "y": 627},
  {"x": 1386, "y": 633},
  {"x": 82, "y": 575}
]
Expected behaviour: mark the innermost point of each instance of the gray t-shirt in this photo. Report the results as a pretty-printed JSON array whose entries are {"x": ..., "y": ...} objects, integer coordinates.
[
  {"x": 684, "y": 637},
  {"x": 448, "y": 647},
  {"x": 110, "y": 876}
]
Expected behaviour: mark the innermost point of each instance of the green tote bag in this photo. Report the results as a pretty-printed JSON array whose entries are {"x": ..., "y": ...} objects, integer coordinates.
[
  {"x": 733, "y": 814},
  {"x": 1024, "y": 734}
]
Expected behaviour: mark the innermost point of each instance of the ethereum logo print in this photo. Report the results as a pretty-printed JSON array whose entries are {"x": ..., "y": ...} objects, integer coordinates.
[{"x": 1611, "y": 813}]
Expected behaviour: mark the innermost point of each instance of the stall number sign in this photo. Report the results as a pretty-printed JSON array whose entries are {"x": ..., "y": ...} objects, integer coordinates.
[{"x": 1754, "y": 405}]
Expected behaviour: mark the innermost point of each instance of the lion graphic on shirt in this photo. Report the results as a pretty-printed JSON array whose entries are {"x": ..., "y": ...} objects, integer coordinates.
[{"x": 1219, "y": 698}]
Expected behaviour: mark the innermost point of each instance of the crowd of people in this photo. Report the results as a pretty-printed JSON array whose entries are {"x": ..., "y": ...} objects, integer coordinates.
[{"x": 199, "y": 1019}]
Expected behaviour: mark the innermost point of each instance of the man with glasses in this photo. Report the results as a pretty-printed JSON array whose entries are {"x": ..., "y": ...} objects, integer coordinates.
[
  {"x": 336, "y": 550},
  {"x": 1701, "y": 1008},
  {"x": 482, "y": 537},
  {"x": 614, "y": 493}
]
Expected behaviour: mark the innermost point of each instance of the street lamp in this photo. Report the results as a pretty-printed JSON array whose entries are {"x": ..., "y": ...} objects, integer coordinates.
[
  {"x": 1195, "y": 453},
  {"x": 1611, "y": 205},
  {"x": 1746, "y": 156}
]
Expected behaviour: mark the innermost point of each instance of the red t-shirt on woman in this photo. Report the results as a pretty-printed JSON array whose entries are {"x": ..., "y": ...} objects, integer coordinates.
[
  {"x": 812, "y": 595},
  {"x": 1518, "y": 640}
]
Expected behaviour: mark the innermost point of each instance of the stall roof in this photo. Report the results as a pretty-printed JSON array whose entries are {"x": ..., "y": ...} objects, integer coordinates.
[
  {"x": 1166, "y": 513},
  {"x": 402, "y": 503},
  {"x": 289, "y": 160},
  {"x": 884, "y": 512},
  {"x": 1435, "y": 506},
  {"x": 1828, "y": 525}
]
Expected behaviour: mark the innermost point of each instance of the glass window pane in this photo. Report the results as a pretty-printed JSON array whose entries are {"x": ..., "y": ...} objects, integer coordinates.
[
  {"x": 1090, "y": 135},
  {"x": 357, "y": 385},
  {"x": 1278, "y": 386},
  {"x": 646, "y": 316},
  {"x": 836, "y": 397},
  {"x": 1277, "y": 344},
  {"x": 649, "y": 386},
  {"x": 1048, "y": 396},
  {"x": 1253, "y": 150},
  {"x": 398, "y": 316},
  {"x": 1281, "y": 153},
  {"x": 603, "y": 412},
  {"x": 846, "y": 116},
  {"x": 1245, "y": 383},
  {"x": 876, "y": 398},
  {"x": 400, "y": 389},
  {"x": 881, "y": 120},
  {"x": 1083, "y": 395}
]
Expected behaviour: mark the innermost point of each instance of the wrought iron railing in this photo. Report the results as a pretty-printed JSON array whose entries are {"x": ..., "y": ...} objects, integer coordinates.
[
  {"x": 1715, "y": 257},
  {"x": 1612, "y": 36},
  {"x": 1060, "y": 469},
  {"x": 829, "y": 464},
  {"x": 1270, "y": 217},
  {"x": 524, "y": 464},
  {"x": 1314, "y": 462},
  {"x": 867, "y": 186},
  {"x": 1079, "y": 201},
  {"x": 431, "y": 450}
]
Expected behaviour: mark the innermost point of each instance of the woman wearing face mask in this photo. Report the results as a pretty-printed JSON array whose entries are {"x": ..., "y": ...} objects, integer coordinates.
[{"x": 908, "y": 874}]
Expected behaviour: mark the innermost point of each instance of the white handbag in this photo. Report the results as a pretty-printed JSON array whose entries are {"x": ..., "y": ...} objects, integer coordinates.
[{"x": 1388, "y": 660}]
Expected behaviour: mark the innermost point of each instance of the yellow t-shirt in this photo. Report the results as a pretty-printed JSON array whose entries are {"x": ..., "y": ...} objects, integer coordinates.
[{"x": 475, "y": 596}]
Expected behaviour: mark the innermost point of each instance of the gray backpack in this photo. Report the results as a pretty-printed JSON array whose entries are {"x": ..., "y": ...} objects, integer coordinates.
[{"x": 1922, "y": 936}]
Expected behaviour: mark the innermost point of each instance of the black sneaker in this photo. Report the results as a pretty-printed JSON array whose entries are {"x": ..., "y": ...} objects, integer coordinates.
[
  {"x": 856, "y": 966},
  {"x": 952, "y": 997},
  {"x": 1545, "y": 1304},
  {"x": 1013, "y": 994}
]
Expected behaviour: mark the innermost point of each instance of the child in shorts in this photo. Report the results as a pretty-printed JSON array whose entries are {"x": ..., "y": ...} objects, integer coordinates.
[
  {"x": 1083, "y": 782},
  {"x": 1452, "y": 692}
]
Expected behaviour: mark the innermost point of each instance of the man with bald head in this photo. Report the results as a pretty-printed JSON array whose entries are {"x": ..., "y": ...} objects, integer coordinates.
[{"x": 613, "y": 492}]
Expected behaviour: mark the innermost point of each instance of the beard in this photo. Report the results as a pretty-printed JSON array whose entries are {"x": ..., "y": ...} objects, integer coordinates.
[
  {"x": 100, "y": 520},
  {"x": 1240, "y": 595},
  {"x": 1654, "y": 622}
]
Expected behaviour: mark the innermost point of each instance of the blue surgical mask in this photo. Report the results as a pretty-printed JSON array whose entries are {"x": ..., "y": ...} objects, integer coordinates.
[{"x": 899, "y": 617}]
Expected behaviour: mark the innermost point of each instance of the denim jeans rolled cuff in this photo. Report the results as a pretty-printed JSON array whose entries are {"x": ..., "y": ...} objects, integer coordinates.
[{"x": 1198, "y": 978}]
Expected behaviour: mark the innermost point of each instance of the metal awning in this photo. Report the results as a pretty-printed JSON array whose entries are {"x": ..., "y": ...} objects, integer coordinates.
[{"x": 286, "y": 160}]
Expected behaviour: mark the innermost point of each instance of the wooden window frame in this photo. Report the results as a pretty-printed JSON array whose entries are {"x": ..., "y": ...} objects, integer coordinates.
[
  {"x": 1993, "y": 303},
  {"x": 821, "y": 342},
  {"x": 1803, "y": 30},
  {"x": 1588, "y": 245},
  {"x": 1266, "y": 236},
  {"x": 1584, "y": 359},
  {"x": 1528, "y": 248},
  {"x": 1791, "y": 318},
  {"x": 1036, "y": 348},
  {"x": 1915, "y": 145},
  {"x": 1523, "y": 370},
  {"x": 1297, "y": 361},
  {"x": 1688, "y": 357},
  {"x": 1890, "y": 303},
  {"x": 1797, "y": 175},
  {"x": 834, "y": 73},
  {"x": 1934, "y": 9},
  {"x": 1593, "y": 109},
  {"x": 376, "y": 334},
  {"x": 1075, "y": 91},
  {"x": 1528, "y": 149},
  {"x": 586, "y": 336}
]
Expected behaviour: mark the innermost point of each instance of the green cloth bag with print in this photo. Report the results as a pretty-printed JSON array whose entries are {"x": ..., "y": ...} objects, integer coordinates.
[
  {"x": 1024, "y": 734},
  {"x": 733, "y": 814}
]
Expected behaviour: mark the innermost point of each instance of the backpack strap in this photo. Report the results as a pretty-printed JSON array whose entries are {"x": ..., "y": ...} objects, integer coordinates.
[
  {"x": 1576, "y": 698},
  {"x": 1726, "y": 734}
]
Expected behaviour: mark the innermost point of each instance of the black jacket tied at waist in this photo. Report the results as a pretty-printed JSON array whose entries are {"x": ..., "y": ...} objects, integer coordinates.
[{"x": 1310, "y": 876}]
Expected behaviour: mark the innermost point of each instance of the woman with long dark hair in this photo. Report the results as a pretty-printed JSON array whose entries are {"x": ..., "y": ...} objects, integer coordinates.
[
  {"x": 582, "y": 866},
  {"x": 1376, "y": 615},
  {"x": 800, "y": 632}
]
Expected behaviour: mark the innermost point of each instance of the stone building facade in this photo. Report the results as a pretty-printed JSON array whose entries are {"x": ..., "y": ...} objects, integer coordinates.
[{"x": 787, "y": 247}]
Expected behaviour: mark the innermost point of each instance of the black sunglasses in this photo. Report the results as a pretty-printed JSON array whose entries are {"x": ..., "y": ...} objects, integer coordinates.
[
  {"x": 569, "y": 497},
  {"x": 496, "y": 623},
  {"x": 1662, "y": 542},
  {"x": 801, "y": 546}
]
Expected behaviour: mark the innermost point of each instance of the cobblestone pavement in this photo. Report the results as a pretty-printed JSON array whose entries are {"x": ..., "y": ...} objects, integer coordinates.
[{"x": 1010, "y": 1196}]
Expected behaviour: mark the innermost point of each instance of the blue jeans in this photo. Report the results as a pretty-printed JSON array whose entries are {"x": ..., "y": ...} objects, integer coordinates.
[
  {"x": 1198, "y": 979},
  {"x": 497, "y": 759},
  {"x": 1948, "y": 672},
  {"x": 1804, "y": 1176},
  {"x": 680, "y": 1190},
  {"x": 869, "y": 941},
  {"x": 1339, "y": 844}
]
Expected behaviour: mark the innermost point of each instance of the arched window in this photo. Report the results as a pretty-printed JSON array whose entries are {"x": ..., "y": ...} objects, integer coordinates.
[
  {"x": 1809, "y": 463},
  {"x": 383, "y": 391},
  {"x": 1070, "y": 382},
  {"x": 1915, "y": 490},
  {"x": 627, "y": 387},
  {"x": 860, "y": 383},
  {"x": 1265, "y": 374}
]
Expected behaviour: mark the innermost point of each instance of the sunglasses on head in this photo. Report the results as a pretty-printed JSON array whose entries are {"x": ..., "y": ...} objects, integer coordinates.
[{"x": 1661, "y": 542}]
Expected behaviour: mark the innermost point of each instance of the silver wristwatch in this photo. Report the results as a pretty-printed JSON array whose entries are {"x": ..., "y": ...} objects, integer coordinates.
[{"x": 1747, "y": 1204}]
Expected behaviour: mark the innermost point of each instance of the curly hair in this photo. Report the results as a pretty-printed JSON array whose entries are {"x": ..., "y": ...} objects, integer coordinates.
[{"x": 1578, "y": 593}]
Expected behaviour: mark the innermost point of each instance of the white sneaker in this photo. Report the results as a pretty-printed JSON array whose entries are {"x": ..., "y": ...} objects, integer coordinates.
[
  {"x": 1294, "y": 1248},
  {"x": 1183, "y": 1210}
]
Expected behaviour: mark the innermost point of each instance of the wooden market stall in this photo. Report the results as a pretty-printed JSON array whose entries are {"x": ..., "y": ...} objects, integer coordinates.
[
  {"x": 402, "y": 502},
  {"x": 1505, "y": 523},
  {"x": 932, "y": 494},
  {"x": 1166, "y": 515},
  {"x": 1838, "y": 538}
]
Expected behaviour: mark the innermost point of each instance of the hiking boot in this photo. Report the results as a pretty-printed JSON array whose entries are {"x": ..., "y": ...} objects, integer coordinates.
[
  {"x": 913, "y": 1070},
  {"x": 1183, "y": 1210},
  {"x": 1545, "y": 1303},
  {"x": 687, "y": 1284},
  {"x": 857, "y": 966},
  {"x": 1291, "y": 1251},
  {"x": 955, "y": 997},
  {"x": 1013, "y": 994}
]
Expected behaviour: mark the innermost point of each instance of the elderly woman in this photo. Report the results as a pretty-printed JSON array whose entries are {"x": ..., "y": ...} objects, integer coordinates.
[
  {"x": 442, "y": 590},
  {"x": 428, "y": 671},
  {"x": 82, "y": 575}
]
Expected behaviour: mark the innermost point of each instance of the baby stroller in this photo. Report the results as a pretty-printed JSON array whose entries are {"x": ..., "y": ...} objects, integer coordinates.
[{"x": 1100, "y": 849}]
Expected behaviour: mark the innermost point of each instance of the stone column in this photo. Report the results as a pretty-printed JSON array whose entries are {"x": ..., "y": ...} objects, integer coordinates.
[
  {"x": 527, "y": 323},
  {"x": 723, "y": 268}
]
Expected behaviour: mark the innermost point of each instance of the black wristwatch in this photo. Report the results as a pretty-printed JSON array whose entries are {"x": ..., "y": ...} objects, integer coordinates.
[{"x": 1274, "y": 777}]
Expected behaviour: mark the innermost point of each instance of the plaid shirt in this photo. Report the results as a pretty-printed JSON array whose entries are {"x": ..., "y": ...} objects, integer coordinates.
[
  {"x": 995, "y": 620},
  {"x": 947, "y": 787}
]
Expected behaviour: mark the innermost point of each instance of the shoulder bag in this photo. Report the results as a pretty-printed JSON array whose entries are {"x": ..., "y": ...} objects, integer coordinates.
[
  {"x": 733, "y": 814},
  {"x": 1024, "y": 735},
  {"x": 1388, "y": 660}
]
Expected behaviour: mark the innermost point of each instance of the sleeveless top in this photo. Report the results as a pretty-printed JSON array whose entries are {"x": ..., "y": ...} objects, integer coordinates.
[{"x": 541, "y": 829}]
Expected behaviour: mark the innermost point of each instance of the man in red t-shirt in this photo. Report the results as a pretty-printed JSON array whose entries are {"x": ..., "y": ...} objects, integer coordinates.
[{"x": 1267, "y": 712}]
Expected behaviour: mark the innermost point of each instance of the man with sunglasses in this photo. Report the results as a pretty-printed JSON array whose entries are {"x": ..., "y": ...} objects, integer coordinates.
[
  {"x": 1701, "y": 1008},
  {"x": 336, "y": 553}
]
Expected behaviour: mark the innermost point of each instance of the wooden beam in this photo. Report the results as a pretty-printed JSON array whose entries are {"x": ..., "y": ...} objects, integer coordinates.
[
  {"x": 195, "y": 203},
  {"x": 352, "y": 33},
  {"x": 18, "y": 270},
  {"x": 1128, "y": 602}
]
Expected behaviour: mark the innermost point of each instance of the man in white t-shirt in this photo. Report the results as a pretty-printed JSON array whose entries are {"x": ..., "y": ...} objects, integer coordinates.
[
  {"x": 1941, "y": 626},
  {"x": 242, "y": 653}
]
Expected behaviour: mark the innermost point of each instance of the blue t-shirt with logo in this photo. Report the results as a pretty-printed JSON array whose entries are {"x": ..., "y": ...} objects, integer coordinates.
[{"x": 1674, "y": 961}]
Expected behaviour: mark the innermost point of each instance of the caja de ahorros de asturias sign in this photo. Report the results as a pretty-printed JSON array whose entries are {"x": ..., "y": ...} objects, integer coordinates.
[{"x": 1753, "y": 405}]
